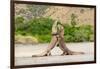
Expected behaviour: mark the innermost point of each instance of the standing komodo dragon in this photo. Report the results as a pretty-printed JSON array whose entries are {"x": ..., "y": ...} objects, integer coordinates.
[{"x": 57, "y": 38}]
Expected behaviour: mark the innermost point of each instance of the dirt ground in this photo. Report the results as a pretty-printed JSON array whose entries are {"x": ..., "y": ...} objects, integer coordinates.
[{"x": 23, "y": 54}]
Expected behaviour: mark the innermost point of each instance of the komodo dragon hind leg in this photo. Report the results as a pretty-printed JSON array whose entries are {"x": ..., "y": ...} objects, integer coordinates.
[
  {"x": 49, "y": 48},
  {"x": 65, "y": 50}
]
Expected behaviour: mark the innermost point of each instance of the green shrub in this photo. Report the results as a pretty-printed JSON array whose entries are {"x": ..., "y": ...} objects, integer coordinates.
[
  {"x": 40, "y": 28},
  {"x": 78, "y": 34}
]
